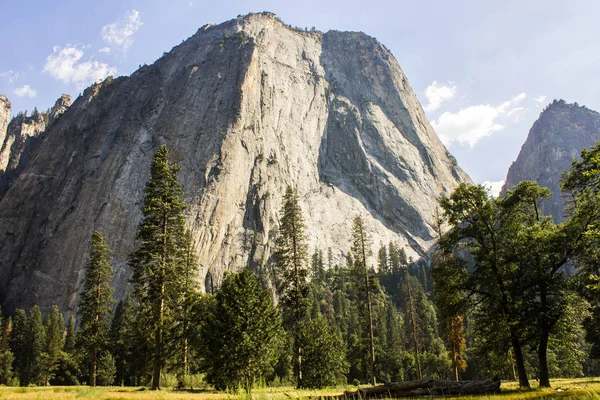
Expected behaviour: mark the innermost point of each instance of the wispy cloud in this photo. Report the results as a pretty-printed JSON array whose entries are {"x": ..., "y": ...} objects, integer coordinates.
[
  {"x": 104, "y": 50},
  {"x": 469, "y": 125},
  {"x": 25, "y": 91},
  {"x": 437, "y": 94},
  {"x": 120, "y": 32},
  {"x": 493, "y": 187},
  {"x": 66, "y": 64},
  {"x": 10, "y": 76},
  {"x": 540, "y": 100}
]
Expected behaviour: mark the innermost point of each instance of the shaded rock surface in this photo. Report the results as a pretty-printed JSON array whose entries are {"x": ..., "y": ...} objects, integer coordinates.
[
  {"x": 246, "y": 108},
  {"x": 554, "y": 141}
]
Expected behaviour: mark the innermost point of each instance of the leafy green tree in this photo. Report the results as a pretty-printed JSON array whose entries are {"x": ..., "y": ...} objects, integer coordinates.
[
  {"x": 291, "y": 263},
  {"x": 95, "y": 304},
  {"x": 325, "y": 361},
  {"x": 364, "y": 284},
  {"x": 241, "y": 336},
  {"x": 474, "y": 220},
  {"x": 157, "y": 262}
]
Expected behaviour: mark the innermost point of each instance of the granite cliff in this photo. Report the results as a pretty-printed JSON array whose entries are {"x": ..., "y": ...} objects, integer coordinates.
[
  {"x": 246, "y": 108},
  {"x": 554, "y": 140}
]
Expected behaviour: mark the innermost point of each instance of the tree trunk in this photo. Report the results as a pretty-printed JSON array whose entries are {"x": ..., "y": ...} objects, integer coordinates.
[
  {"x": 158, "y": 339},
  {"x": 544, "y": 336},
  {"x": 414, "y": 327},
  {"x": 519, "y": 361}
]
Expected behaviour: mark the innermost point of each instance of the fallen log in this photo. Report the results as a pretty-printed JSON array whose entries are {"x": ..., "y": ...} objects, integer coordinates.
[{"x": 423, "y": 387}]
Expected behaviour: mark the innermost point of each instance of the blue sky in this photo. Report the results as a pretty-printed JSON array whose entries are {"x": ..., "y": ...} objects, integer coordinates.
[{"x": 483, "y": 70}]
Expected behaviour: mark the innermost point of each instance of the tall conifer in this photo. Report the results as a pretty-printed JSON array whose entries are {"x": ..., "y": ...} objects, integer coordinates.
[
  {"x": 157, "y": 262},
  {"x": 291, "y": 259},
  {"x": 95, "y": 304}
]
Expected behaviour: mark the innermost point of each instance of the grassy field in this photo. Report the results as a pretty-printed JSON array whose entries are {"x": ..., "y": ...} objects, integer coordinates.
[{"x": 585, "y": 388}]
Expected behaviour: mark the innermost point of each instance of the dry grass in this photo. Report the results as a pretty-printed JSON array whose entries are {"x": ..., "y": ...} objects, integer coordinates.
[{"x": 585, "y": 388}]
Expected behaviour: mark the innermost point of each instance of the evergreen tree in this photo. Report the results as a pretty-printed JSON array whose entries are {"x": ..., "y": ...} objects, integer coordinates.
[
  {"x": 121, "y": 337},
  {"x": 6, "y": 356},
  {"x": 325, "y": 361},
  {"x": 70, "y": 337},
  {"x": 241, "y": 337},
  {"x": 106, "y": 369},
  {"x": 35, "y": 343},
  {"x": 95, "y": 304},
  {"x": 55, "y": 330},
  {"x": 291, "y": 261},
  {"x": 18, "y": 344},
  {"x": 183, "y": 327},
  {"x": 157, "y": 263},
  {"x": 361, "y": 249}
]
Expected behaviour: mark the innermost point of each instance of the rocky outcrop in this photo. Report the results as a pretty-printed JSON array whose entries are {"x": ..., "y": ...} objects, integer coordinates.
[
  {"x": 4, "y": 117},
  {"x": 59, "y": 108},
  {"x": 246, "y": 108},
  {"x": 21, "y": 140},
  {"x": 22, "y": 136},
  {"x": 554, "y": 141}
]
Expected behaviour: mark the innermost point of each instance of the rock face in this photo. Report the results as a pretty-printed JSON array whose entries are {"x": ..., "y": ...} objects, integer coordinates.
[
  {"x": 246, "y": 108},
  {"x": 4, "y": 116},
  {"x": 19, "y": 138},
  {"x": 555, "y": 139},
  {"x": 59, "y": 108}
]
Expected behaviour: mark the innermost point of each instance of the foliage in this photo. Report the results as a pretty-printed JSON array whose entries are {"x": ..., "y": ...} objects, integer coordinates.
[
  {"x": 95, "y": 304},
  {"x": 158, "y": 263},
  {"x": 323, "y": 353},
  {"x": 241, "y": 334}
]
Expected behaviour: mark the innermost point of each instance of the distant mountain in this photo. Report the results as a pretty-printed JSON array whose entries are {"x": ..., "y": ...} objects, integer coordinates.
[
  {"x": 554, "y": 140},
  {"x": 246, "y": 108}
]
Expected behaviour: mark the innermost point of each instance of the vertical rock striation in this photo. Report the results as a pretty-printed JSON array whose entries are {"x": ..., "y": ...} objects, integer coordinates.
[
  {"x": 246, "y": 108},
  {"x": 554, "y": 141}
]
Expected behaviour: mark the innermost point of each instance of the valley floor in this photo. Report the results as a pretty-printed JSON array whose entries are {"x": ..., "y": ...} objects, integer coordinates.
[{"x": 584, "y": 388}]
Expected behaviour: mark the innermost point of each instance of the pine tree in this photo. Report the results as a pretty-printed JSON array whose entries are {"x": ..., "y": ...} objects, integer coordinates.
[
  {"x": 106, "y": 369},
  {"x": 361, "y": 249},
  {"x": 35, "y": 344},
  {"x": 121, "y": 335},
  {"x": 70, "y": 337},
  {"x": 55, "y": 330},
  {"x": 324, "y": 354},
  {"x": 6, "y": 356},
  {"x": 241, "y": 337},
  {"x": 291, "y": 260},
  {"x": 95, "y": 304},
  {"x": 18, "y": 344},
  {"x": 184, "y": 329},
  {"x": 157, "y": 262}
]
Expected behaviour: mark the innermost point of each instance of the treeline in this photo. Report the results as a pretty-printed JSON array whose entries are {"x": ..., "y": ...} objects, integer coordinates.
[{"x": 496, "y": 299}]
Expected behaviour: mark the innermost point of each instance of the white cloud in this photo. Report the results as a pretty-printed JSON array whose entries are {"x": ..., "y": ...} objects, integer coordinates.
[
  {"x": 25, "y": 91},
  {"x": 104, "y": 50},
  {"x": 493, "y": 188},
  {"x": 437, "y": 94},
  {"x": 470, "y": 124},
  {"x": 66, "y": 64},
  {"x": 10, "y": 76},
  {"x": 541, "y": 100},
  {"x": 120, "y": 33}
]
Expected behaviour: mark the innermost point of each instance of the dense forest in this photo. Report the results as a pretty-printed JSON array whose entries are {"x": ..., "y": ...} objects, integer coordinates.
[{"x": 506, "y": 292}]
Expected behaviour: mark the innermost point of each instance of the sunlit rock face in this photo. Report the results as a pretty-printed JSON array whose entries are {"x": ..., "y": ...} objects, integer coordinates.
[
  {"x": 246, "y": 107},
  {"x": 554, "y": 141}
]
